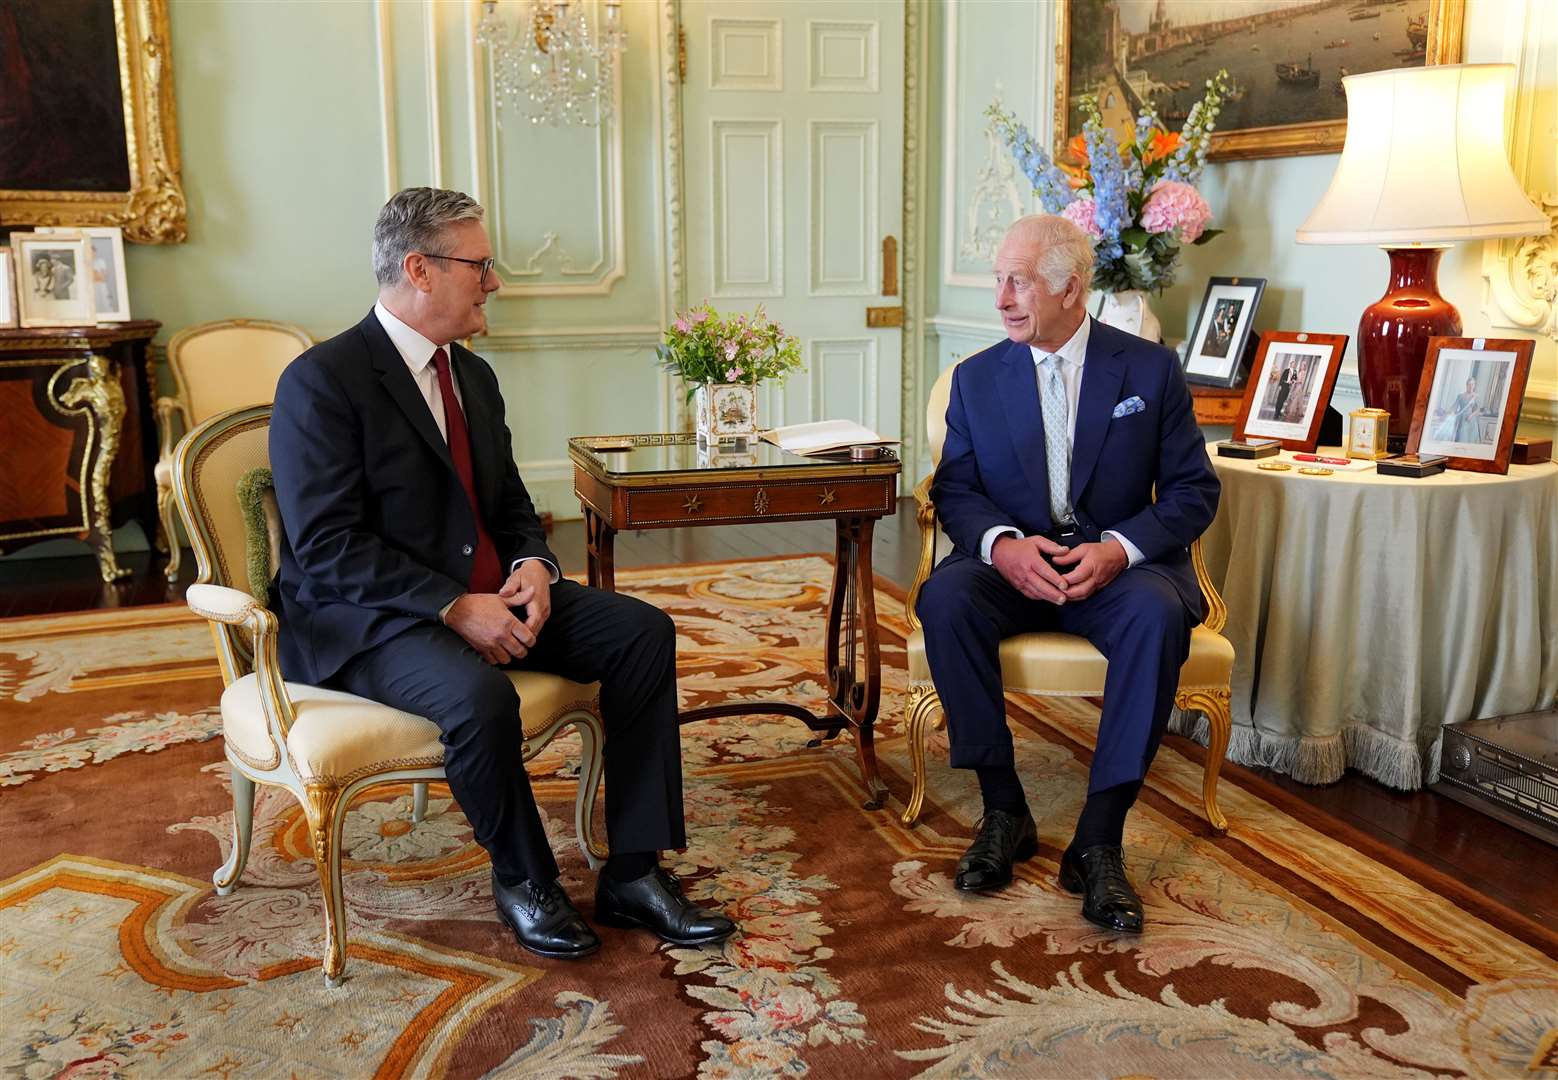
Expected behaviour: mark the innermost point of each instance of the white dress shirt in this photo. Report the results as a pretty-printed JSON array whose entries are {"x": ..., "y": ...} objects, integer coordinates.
[
  {"x": 1072, "y": 355},
  {"x": 417, "y": 351}
]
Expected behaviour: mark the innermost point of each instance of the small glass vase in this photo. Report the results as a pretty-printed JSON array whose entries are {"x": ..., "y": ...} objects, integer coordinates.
[
  {"x": 726, "y": 413},
  {"x": 1129, "y": 311}
]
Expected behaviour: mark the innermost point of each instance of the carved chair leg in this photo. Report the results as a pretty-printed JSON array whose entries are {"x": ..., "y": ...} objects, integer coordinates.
[
  {"x": 591, "y": 763},
  {"x": 166, "y": 513},
  {"x": 324, "y": 808},
  {"x": 226, "y": 877},
  {"x": 1214, "y": 704},
  {"x": 923, "y": 701},
  {"x": 418, "y": 801}
]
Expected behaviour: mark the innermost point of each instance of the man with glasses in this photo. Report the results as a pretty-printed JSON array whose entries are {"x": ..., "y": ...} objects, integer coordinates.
[{"x": 414, "y": 568}]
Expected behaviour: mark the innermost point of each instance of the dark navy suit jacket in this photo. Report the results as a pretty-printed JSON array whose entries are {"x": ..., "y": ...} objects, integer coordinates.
[
  {"x": 993, "y": 467},
  {"x": 378, "y": 532}
]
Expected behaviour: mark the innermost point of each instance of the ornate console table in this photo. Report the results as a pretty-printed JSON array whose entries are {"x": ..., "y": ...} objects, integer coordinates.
[{"x": 77, "y": 435}]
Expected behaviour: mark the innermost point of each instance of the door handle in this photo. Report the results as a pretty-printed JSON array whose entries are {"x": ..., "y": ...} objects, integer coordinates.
[{"x": 878, "y": 317}]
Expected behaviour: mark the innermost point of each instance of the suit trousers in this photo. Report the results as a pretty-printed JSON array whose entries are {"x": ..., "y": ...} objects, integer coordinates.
[
  {"x": 1138, "y": 621},
  {"x": 627, "y": 645}
]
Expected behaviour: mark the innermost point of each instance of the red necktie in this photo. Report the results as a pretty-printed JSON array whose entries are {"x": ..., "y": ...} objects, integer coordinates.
[{"x": 486, "y": 575}]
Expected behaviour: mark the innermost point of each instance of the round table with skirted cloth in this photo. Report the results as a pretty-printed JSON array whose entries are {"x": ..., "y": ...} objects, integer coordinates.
[{"x": 1367, "y": 611}]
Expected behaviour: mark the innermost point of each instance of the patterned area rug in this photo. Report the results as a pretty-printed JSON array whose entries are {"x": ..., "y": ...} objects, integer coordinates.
[{"x": 1286, "y": 948}]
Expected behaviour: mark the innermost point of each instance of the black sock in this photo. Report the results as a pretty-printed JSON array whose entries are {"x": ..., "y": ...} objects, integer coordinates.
[
  {"x": 1103, "y": 816},
  {"x": 509, "y": 881},
  {"x": 630, "y": 865},
  {"x": 1000, "y": 788}
]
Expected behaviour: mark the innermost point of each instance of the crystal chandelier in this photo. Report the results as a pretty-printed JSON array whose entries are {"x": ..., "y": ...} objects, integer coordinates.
[{"x": 553, "y": 64}]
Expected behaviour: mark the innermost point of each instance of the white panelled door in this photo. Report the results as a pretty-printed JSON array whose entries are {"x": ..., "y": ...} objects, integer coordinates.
[{"x": 792, "y": 135}]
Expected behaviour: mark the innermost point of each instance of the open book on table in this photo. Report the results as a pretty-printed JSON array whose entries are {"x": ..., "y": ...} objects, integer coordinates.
[{"x": 824, "y": 437}]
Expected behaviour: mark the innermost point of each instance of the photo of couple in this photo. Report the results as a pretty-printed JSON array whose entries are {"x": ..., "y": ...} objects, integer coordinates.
[{"x": 1288, "y": 380}]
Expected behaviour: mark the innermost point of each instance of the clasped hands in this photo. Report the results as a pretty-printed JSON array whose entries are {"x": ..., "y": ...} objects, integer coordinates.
[
  {"x": 1022, "y": 562},
  {"x": 487, "y": 621}
]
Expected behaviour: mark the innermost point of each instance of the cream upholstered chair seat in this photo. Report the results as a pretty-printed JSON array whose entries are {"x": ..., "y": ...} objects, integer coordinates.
[
  {"x": 322, "y": 745},
  {"x": 1054, "y": 664},
  {"x": 339, "y": 736},
  {"x": 1065, "y": 665},
  {"x": 216, "y": 366}
]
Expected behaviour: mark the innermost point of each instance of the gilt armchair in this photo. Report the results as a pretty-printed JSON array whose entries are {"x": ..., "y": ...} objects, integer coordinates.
[
  {"x": 216, "y": 366},
  {"x": 322, "y": 745},
  {"x": 1056, "y": 664}
]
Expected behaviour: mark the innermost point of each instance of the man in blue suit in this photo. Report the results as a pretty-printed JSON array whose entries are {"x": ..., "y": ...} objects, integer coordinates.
[
  {"x": 1072, "y": 482},
  {"x": 414, "y": 568}
]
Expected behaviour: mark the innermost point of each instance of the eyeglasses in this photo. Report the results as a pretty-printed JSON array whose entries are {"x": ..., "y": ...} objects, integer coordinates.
[{"x": 484, "y": 264}]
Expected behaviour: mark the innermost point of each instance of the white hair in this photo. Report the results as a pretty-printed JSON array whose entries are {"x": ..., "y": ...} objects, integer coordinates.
[
  {"x": 415, "y": 220},
  {"x": 1063, "y": 249}
]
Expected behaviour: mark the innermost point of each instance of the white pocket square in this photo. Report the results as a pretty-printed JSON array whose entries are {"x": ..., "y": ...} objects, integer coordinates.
[{"x": 1128, "y": 406}]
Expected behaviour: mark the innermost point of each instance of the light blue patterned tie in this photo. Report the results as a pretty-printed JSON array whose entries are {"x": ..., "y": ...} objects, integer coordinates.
[{"x": 1057, "y": 442}]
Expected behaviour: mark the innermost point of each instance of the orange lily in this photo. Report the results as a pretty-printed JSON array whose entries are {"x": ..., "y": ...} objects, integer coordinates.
[
  {"x": 1077, "y": 148},
  {"x": 1162, "y": 145}
]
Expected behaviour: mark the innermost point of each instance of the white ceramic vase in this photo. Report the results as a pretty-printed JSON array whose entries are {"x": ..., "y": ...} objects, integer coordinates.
[
  {"x": 1129, "y": 311},
  {"x": 726, "y": 412}
]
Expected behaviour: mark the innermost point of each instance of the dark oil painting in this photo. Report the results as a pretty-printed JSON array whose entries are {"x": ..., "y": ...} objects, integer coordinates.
[{"x": 61, "y": 110}]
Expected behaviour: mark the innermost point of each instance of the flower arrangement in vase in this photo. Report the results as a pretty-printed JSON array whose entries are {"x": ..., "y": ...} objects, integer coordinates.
[
  {"x": 1137, "y": 200},
  {"x": 722, "y": 359}
]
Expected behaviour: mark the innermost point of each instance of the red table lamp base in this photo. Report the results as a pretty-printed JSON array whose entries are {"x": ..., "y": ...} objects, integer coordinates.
[{"x": 1394, "y": 331}]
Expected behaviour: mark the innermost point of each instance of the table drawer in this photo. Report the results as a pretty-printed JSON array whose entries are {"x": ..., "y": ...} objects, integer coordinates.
[{"x": 758, "y": 502}]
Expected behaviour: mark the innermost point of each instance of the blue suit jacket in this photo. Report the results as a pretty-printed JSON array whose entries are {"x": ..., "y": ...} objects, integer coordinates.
[
  {"x": 993, "y": 468},
  {"x": 378, "y": 530}
]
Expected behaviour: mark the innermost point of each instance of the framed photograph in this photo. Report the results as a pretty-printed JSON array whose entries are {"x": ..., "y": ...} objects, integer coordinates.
[
  {"x": 1215, "y": 355},
  {"x": 110, "y": 294},
  {"x": 1290, "y": 386},
  {"x": 7, "y": 290},
  {"x": 88, "y": 121},
  {"x": 1469, "y": 400},
  {"x": 1286, "y": 59},
  {"x": 53, "y": 279}
]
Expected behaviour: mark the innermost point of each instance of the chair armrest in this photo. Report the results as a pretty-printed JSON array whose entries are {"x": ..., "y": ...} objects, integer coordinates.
[
  {"x": 925, "y": 517},
  {"x": 1216, "y": 610},
  {"x": 221, "y": 604},
  {"x": 231, "y": 607},
  {"x": 166, "y": 408}
]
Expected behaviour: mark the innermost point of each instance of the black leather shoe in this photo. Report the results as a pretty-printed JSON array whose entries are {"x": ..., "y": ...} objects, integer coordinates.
[
  {"x": 1002, "y": 839},
  {"x": 1098, "y": 874},
  {"x": 655, "y": 902},
  {"x": 543, "y": 919}
]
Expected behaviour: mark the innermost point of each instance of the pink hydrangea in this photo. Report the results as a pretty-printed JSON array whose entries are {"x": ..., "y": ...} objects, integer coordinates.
[
  {"x": 1080, "y": 213},
  {"x": 1176, "y": 206}
]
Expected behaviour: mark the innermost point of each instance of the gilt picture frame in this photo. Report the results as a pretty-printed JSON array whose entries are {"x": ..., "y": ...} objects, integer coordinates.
[
  {"x": 90, "y": 119},
  {"x": 1273, "y": 113}
]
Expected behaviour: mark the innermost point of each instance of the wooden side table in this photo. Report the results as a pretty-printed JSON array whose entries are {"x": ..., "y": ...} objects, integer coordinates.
[
  {"x": 1216, "y": 406},
  {"x": 665, "y": 481},
  {"x": 77, "y": 438}
]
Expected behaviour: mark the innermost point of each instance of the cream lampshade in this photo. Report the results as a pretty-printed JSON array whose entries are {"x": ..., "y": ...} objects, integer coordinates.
[{"x": 1423, "y": 166}]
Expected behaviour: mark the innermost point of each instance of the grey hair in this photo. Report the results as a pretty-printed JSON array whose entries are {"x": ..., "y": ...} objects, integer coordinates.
[
  {"x": 415, "y": 220},
  {"x": 1063, "y": 249}
]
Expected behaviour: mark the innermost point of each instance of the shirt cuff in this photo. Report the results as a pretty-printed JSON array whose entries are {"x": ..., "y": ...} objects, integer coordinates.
[
  {"x": 992, "y": 534},
  {"x": 556, "y": 574},
  {"x": 1132, "y": 552},
  {"x": 443, "y": 612}
]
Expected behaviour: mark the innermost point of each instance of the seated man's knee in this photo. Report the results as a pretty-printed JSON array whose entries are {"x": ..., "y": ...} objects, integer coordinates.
[
  {"x": 942, "y": 599},
  {"x": 485, "y": 704}
]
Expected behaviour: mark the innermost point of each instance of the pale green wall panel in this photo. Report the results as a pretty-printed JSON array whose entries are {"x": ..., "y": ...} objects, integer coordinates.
[{"x": 278, "y": 127}]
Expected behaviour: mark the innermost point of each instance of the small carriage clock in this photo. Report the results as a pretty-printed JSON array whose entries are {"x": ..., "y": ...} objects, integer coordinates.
[{"x": 1366, "y": 433}]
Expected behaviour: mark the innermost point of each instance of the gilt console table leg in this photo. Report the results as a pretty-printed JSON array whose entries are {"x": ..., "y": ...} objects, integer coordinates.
[{"x": 99, "y": 394}]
